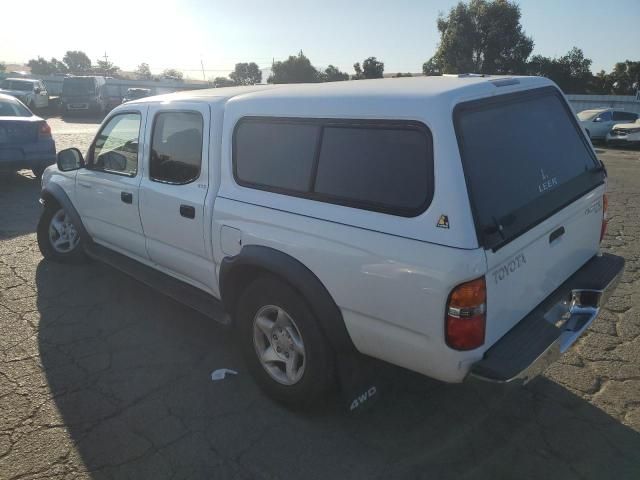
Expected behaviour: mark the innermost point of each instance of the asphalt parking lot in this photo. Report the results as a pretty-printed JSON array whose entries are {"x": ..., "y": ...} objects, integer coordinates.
[{"x": 101, "y": 377}]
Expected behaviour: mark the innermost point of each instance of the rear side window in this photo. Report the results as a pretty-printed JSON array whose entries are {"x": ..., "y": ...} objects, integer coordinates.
[
  {"x": 382, "y": 166},
  {"x": 524, "y": 159},
  {"x": 624, "y": 117},
  {"x": 275, "y": 155},
  {"x": 374, "y": 166},
  {"x": 176, "y": 147}
]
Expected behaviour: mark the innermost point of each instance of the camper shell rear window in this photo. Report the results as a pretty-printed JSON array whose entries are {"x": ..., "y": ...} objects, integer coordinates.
[{"x": 525, "y": 158}]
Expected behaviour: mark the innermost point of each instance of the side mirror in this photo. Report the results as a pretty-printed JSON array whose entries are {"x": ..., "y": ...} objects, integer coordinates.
[
  {"x": 37, "y": 90},
  {"x": 70, "y": 159}
]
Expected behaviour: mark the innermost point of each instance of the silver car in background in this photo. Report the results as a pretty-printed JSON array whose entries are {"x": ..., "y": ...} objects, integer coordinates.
[
  {"x": 31, "y": 92},
  {"x": 599, "y": 122}
]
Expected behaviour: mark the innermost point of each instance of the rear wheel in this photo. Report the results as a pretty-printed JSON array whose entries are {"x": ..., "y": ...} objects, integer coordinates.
[
  {"x": 282, "y": 343},
  {"x": 58, "y": 238}
]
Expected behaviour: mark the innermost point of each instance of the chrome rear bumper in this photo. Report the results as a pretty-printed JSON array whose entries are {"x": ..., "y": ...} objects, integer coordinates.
[{"x": 553, "y": 326}]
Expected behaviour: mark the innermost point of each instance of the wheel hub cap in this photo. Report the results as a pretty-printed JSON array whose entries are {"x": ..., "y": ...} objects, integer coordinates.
[
  {"x": 278, "y": 344},
  {"x": 63, "y": 235}
]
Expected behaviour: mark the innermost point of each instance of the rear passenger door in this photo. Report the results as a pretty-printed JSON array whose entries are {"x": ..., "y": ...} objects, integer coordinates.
[{"x": 174, "y": 189}]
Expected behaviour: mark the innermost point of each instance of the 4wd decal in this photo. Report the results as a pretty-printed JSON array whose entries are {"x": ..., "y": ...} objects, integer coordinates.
[
  {"x": 508, "y": 268},
  {"x": 363, "y": 397},
  {"x": 547, "y": 182}
]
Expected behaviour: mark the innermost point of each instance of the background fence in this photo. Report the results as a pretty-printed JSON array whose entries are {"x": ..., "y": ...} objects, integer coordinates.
[{"x": 628, "y": 103}]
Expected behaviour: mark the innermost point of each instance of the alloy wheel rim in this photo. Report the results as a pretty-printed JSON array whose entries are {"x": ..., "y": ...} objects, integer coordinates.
[
  {"x": 279, "y": 345},
  {"x": 63, "y": 235}
]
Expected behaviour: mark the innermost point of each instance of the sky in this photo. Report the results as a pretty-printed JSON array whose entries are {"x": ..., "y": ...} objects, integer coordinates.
[{"x": 186, "y": 34}]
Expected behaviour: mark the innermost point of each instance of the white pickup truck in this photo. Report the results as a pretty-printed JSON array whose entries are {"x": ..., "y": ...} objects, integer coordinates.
[{"x": 448, "y": 225}]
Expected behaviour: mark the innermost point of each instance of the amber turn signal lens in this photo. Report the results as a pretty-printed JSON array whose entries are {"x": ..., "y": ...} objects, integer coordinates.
[{"x": 465, "y": 319}]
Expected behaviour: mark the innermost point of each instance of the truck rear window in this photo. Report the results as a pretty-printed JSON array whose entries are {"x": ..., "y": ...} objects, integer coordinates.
[{"x": 524, "y": 158}]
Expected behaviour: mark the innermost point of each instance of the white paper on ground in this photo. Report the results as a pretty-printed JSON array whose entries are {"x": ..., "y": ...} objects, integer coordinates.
[{"x": 221, "y": 373}]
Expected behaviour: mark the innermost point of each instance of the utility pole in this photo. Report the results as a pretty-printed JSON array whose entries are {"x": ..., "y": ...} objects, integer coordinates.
[
  {"x": 202, "y": 65},
  {"x": 106, "y": 62}
]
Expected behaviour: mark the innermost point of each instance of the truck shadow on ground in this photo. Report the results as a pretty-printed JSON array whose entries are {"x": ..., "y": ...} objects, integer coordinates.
[
  {"x": 19, "y": 193},
  {"x": 130, "y": 373}
]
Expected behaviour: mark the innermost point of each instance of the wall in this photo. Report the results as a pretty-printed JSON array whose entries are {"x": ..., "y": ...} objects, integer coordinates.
[{"x": 628, "y": 103}]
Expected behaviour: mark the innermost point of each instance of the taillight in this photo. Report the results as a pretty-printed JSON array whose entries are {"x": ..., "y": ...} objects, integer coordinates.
[
  {"x": 466, "y": 315},
  {"x": 605, "y": 219},
  {"x": 44, "y": 130}
]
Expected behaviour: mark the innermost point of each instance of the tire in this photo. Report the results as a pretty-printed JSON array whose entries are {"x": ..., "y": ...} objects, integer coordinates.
[
  {"x": 71, "y": 251},
  {"x": 38, "y": 171},
  {"x": 310, "y": 383}
]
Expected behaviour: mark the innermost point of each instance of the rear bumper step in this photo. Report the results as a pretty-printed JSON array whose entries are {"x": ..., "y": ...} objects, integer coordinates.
[{"x": 552, "y": 327}]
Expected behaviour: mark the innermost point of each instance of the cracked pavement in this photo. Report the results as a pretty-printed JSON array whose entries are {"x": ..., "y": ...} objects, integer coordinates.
[{"x": 101, "y": 377}]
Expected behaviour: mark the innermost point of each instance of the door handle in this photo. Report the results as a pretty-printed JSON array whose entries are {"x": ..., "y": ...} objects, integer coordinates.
[
  {"x": 126, "y": 197},
  {"x": 187, "y": 211},
  {"x": 556, "y": 234}
]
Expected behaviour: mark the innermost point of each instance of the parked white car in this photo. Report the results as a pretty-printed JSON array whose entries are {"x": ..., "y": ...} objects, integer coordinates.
[
  {"x": 599, "y": 122},
  {"x": 31, "y": 92},
  {"x": 382, "y": 217},
  {"x": 624, "y": 134}
]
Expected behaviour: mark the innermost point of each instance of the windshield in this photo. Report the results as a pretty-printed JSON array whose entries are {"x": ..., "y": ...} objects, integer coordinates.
[
  {"x": 78, "y": 87},
  {"x": 524, "y": 158},
  {"x": 17, "y": 85},
  {"x": 13, "y": 108},
  {"x": 588, "y": 114}
]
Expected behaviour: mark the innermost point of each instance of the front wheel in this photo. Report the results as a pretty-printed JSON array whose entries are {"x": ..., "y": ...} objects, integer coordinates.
[
  {"x": 282, "y": 343},
  {"x": 58, "y": 238}
]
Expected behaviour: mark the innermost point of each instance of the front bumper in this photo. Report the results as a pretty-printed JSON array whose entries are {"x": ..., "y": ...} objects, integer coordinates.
[{"x": 553, "y": 326}]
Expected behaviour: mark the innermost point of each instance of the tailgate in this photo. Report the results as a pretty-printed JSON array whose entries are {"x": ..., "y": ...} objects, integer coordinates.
[{"x": 524, "y": 272}]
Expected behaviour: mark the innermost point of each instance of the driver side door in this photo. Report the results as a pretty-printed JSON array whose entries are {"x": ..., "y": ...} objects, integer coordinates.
[{"x": 107, "y": 190}]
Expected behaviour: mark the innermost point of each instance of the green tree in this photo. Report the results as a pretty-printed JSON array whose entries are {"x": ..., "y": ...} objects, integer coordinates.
[
  {"x": 143, "y": 72},
  {"x": 625, "y": 78},
  {"x": 106, "y": 68},
  {"x": 40, "y": 66},
  {"x": 246, "y": 74},
  {"x": 372, "y": 68},
  {"x": 220, "y": 82},
  {"x": 572, "y": 71},
  {"x": 333, "y": 74},
  {"x": 482, "y": 36},
  {"x": 172, "y": 73},
  {"x": 359, "y": 75},
  {"x": 295, "y": 69},
  {"x": 400, "y": 75},
  {"x": 77, "y": 61},
  {"x": 3, "y": 67}
]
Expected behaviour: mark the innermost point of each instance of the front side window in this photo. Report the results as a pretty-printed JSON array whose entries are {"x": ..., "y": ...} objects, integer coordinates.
[
  {"x": 176, "y": 147},
  {"x": 603, "y": 117},
  {"x": 116, "y": 147},
  {"x": 382, "y": 166}
]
